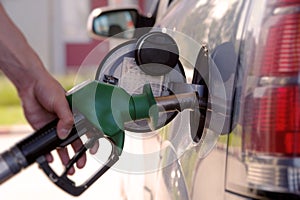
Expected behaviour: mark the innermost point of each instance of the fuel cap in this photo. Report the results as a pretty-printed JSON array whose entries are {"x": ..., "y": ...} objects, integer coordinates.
[{"x": 156, "y": 53}]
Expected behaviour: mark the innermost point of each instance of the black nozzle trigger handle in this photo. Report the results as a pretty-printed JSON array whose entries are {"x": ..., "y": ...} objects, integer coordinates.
[{"x": 67, "y": 184}]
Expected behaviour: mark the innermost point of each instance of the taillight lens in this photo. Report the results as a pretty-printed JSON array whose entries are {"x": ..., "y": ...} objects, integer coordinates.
[
  {"x": 272, "y": 121},
  {"x": 272, "y": 108},
  {"x": 281, "y": 56}
]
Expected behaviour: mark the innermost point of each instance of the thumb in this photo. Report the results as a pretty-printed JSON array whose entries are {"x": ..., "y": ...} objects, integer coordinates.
[{"x": 66, "y": 121}]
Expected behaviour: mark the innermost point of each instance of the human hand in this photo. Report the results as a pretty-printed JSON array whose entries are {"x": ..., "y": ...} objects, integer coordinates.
[{"x": 43, "y": 100}]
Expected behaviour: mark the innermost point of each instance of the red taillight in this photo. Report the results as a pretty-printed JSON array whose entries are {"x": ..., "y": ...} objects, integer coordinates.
[
  {"x": 272, "y": 121},
  {"x": 272, "y": 109},
  {"x": 281, "y": 56}
]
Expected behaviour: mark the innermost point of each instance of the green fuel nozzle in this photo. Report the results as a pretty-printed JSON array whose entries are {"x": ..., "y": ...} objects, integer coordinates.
[{"x": 108, "y": 107}]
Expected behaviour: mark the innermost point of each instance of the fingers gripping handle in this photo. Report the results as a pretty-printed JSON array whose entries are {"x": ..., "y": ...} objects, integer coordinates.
[
  {"x": 62, "y": 181},
  {"x": 33, "y": 148},
  {"x": 68, "y": 185},
  {"x": 44, "y": 141},
  {"x": 48, "y": 138}
]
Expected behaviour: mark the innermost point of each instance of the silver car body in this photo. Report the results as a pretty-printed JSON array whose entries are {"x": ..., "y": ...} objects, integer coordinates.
[{"x": 222, "y": 172}]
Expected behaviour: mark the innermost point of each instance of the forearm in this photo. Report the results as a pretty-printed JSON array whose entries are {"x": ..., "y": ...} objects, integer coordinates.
[{"x": 17, "y": 58}]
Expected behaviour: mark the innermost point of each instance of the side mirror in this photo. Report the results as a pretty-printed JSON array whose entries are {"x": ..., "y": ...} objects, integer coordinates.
[{"x": 107, "y": 22}]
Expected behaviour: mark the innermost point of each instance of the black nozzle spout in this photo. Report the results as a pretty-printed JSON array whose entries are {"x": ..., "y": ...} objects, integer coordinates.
[{"x": 11, "y": 162}]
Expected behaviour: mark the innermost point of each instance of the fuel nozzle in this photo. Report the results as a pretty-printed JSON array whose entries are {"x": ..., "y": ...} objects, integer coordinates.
[{"x": 103, "y": 111}]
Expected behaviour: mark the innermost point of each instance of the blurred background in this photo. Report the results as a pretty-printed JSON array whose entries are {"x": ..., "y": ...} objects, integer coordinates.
[{"x": 57, "y": 31}]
